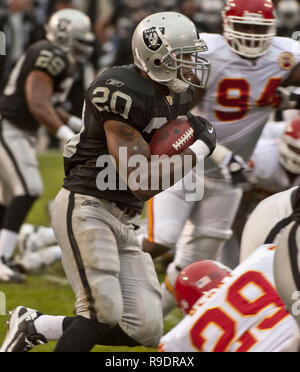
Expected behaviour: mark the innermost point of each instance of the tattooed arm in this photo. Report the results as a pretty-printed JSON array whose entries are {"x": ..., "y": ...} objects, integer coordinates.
[{"x": 120, "y": 135}]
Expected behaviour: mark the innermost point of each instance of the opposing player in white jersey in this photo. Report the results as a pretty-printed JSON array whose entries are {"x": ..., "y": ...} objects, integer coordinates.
[
  {"x": 276, "y": 167},
  {"x": 282, "y": 228},
  {"x": 269, "y": 219},
  {"x": 244, "y": 314},
  {"x": 250, "y": 63},
  {"x": 276, "y": 158}
]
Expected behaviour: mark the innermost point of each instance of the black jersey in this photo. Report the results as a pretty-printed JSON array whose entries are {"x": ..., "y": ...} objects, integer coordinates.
[
  {"x": 41, "y": 56},
  {"x": 120, "y": 94},
  {"x": 296, "y": 200}
]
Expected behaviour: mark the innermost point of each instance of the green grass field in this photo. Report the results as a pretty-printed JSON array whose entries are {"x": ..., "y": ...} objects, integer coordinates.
[{"x": 48, "y": 291}]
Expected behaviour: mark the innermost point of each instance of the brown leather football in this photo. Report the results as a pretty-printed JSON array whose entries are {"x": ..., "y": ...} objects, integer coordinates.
[{"x": 172, "y": 138}]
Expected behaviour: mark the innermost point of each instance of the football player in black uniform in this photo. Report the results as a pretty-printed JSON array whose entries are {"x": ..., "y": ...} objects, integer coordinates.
[
  {"x": 116, "y": 287},
  {"x": 39, "y": 82}
]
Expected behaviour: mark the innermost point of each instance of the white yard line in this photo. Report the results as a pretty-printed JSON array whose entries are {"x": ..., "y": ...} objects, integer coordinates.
[{"x": 56, "y": 279}]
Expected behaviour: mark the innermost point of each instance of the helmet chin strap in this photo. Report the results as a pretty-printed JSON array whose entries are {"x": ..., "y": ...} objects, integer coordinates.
[{"x": 177, "y": 86}]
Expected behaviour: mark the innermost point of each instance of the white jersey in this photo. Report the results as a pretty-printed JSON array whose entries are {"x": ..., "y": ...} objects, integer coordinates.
[
  {"x": 244, "y": 314},
  {"x": 271, "y": 176},
  {"x": 239, "y": 97},
  {"x": 264, "y": 218}
]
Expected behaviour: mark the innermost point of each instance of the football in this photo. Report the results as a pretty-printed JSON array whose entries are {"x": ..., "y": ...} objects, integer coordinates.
[{"x": 172, "y": 138}]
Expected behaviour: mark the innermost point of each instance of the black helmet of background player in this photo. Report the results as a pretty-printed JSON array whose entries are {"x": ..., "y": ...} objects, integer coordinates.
[
  {"x": 167, "y": 47},
  {"x": 70, "y": 29},
  {"x": 289, "y": 148},
  {"x": 197, "y": 279}
]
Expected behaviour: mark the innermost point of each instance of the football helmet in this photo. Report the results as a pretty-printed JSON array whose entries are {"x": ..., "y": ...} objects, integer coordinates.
[
  {"x": 259, "y": 13},
  {"x": 163, "y": 45},
  {"x": 195, "y": 280},
  {"x": 211, "y": 12},
  {"x": 70, "y": 29},
  {"x": 288, "y": 12},
  {"x": 289, "y": 147}
]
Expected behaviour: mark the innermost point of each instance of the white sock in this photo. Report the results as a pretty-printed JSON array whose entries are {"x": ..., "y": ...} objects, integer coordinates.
[
  {"x": 43, "y": 258},
  {"x": 8, "y": 242},
  {"x": 51, "y": 327},
  {"x": 50, "y": 255}
]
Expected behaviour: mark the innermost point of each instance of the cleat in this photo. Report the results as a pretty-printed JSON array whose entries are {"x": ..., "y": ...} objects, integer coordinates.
[
  {"x": 22, "y": 336},
  {"x": 8, "y": 274}
]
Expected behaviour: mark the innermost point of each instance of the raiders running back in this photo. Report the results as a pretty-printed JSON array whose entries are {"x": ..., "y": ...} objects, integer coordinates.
[
  {"x": 94, "y": 217},
  {"x": 121, "y": 94},
  {"x": 42, "y": 56}
]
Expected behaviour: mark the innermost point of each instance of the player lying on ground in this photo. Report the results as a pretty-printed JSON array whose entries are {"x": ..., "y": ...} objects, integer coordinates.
[
  {"x": 116, "y": 287},
  {"x": 241, "y": 313},
  {"x": 38, "y": 248},
  {"x": 249, "y": 64},
  {"x": 38, "y": 85}
]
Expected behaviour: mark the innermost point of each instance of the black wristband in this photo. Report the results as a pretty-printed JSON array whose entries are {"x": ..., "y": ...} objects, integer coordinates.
[{"x": 295, "y": 98}]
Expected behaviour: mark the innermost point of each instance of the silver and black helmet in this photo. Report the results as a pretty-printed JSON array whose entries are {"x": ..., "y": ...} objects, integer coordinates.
[
  {"x": 162, "y": 45},
  {"x": 70, "y": 29}
]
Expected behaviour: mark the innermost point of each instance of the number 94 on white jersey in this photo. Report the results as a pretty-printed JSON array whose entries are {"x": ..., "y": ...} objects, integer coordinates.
[{"x": 241, "y": 93}]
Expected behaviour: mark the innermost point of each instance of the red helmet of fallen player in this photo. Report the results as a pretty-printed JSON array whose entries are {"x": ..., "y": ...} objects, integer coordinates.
[
  {"x": 289, "y": 148},
  {"x": 195, "y": 280},
  {"x": 249, "y": 26}
]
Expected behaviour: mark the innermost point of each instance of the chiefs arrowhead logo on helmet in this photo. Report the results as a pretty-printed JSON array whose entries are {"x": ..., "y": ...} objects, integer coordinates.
[{"x": 195, "y": 280}]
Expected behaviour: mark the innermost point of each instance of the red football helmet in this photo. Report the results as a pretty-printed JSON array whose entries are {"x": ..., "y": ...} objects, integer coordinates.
[
  {"x": 289, "y": 148},
  {"x": 249, "y": 26},
  {"x": 195, "y": 280}
]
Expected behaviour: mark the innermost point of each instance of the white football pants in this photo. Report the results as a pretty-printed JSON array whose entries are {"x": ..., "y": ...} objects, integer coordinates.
[{"x": 113, "y": 280}]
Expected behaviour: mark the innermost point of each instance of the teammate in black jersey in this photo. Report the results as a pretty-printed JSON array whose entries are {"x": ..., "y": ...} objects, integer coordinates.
[
  {"x": 116, "y": 287},
  {"x": 39, "y": 83}
]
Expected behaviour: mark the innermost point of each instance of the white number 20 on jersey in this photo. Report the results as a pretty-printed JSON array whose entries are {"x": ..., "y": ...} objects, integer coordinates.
[{"x": 103, "y": 102}]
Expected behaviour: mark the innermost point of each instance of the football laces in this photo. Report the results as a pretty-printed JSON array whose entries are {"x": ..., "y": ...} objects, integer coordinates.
[{"x": 183, "y": 139}]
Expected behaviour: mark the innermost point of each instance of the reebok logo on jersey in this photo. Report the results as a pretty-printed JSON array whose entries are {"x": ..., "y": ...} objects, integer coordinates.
[
  {"x": 115, "y": 83},
  {"x": 90, "y": 203},
  {"x": 152, "y": 39}
]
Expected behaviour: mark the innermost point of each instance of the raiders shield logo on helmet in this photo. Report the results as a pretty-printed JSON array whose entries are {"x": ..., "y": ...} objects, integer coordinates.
[
  {"x": 152, "y": 39},
  {"x": 64, "y": 24}
]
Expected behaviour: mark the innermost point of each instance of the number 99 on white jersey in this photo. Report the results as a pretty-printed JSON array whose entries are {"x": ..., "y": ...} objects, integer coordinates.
[{"x": 245, "y": 314}]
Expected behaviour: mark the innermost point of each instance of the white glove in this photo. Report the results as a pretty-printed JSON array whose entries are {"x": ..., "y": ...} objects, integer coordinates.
[
  {"x": 288, "y": 99},
  {"x": 75, "y": 124},
  {"x": 64, "y": 133}
]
